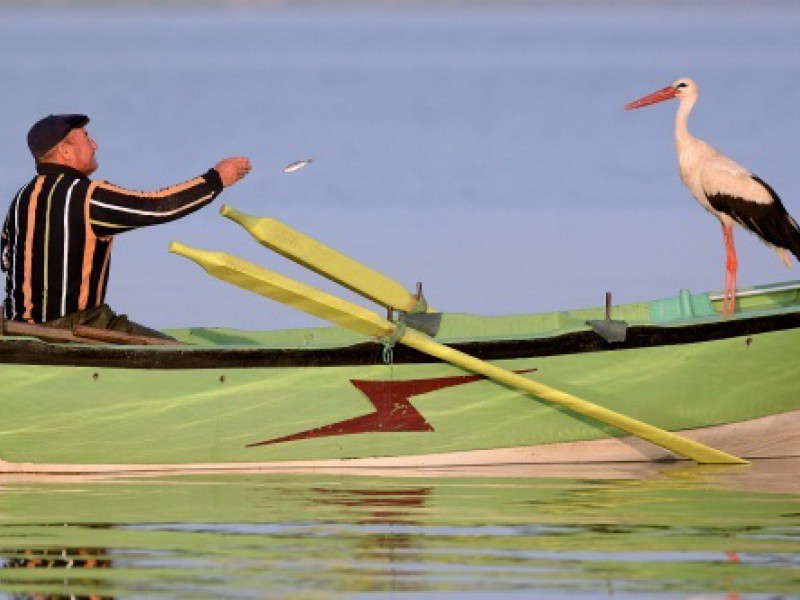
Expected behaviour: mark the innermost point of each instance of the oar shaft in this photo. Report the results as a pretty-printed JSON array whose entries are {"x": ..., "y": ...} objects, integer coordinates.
[{"x": 676, "y": 443}]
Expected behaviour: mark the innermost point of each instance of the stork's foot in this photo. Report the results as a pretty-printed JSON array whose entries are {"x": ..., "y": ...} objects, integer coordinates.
[{"x": 728, "y": 304}]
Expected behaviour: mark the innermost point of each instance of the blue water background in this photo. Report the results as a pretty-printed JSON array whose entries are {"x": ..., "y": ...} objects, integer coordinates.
[{"x": 483, "y": 151}]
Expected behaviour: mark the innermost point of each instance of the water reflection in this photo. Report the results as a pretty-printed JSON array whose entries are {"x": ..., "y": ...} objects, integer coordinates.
[
  {"x": 60, "y": 567},
  {"x": 377, "y": 506},
  {"x": 667, "y": 531}
]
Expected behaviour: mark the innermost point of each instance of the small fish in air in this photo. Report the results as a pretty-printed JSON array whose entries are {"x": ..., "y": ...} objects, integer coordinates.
[{"x": 296, "y": 166}]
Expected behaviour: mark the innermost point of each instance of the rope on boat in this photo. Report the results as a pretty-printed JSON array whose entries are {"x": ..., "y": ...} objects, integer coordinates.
[{"x": 390, "y": 341}]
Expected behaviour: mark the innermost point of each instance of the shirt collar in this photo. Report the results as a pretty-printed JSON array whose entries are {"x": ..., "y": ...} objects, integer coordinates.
[{"x": 56, "y": 169}]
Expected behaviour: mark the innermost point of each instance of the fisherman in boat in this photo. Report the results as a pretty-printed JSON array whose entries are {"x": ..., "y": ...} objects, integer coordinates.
[{"x": 55, "y": 245}]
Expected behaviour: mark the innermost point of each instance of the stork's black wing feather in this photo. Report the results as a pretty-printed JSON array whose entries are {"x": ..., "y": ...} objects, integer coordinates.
[{"x": 769, "y": 221}]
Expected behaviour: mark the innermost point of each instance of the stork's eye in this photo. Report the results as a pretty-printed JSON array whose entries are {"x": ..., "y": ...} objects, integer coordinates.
[{"x": 682, "y": 85}]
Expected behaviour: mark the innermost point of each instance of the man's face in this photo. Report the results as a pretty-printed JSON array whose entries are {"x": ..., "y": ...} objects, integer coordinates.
[{"x": 82, "y": 149}]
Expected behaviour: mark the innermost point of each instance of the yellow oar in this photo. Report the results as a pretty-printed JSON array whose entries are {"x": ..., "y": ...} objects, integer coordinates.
[
  {"x": 326, "y": 261},
  {"x": 321, "y": 304}
]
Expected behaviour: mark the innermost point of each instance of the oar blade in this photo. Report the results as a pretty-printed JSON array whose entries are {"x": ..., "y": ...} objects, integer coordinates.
[
  {"x": 324, "y": 260},
  {"x": 287, "y": 291}
]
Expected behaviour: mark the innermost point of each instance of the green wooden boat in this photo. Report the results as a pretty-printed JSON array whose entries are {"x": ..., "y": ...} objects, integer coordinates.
[{"x": 328, "y": 398}]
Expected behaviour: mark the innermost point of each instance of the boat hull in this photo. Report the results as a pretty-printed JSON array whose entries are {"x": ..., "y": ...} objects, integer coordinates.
[{"x": 151, "y": 411}]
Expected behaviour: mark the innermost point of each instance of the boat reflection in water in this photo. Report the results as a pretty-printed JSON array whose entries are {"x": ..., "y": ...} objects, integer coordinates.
[
  {"x": 64, "y": 568},
  {"x": 623, "y": 530}
]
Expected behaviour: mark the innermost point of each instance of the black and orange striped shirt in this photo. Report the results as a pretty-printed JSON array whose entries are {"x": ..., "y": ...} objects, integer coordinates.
[{"x": 56, "y": 240}]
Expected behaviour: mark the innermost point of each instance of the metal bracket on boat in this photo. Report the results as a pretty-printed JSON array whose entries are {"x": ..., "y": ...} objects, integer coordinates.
[
  {"x": 611, "y": 331},
  {"x": 427, "y": 323},
  {"x": 418, "y": 318}
]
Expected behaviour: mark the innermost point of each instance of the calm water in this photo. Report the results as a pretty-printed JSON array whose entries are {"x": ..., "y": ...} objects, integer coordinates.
[{"x": 600, "y": 532}]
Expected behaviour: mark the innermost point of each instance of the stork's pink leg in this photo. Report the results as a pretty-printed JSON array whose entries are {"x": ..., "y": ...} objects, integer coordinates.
[{"x": 731, "y": 267}]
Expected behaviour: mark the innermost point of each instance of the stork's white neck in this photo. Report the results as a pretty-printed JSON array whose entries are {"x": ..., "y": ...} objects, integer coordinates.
[{"x": 682, "y": 134}]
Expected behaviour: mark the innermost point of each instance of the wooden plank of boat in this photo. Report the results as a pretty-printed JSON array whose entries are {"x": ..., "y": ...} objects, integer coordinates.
[
  {"x": 323, "y": 305},
  {"x": 46, "y": 333},
  {"x": 119, "y": 337},
  {"x": 326, "y": 261},
  {"x": 83, "y": 334}
]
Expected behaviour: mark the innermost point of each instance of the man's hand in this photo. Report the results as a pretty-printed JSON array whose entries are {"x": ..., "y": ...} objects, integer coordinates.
[{"x": 232, "y": 170}]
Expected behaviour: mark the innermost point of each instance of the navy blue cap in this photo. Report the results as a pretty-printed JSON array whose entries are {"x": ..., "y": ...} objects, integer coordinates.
[{"x": 47, "y": 132}]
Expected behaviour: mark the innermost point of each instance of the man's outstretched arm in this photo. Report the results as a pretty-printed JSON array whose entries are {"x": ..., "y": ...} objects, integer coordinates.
[{"x": 113, "y": 209}]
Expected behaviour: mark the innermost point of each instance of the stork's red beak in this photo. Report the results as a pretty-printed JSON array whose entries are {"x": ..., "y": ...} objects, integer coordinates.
[{"x": 666, "y": 94}]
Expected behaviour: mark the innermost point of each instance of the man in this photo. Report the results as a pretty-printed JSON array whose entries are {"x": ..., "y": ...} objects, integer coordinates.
[{"x": 56, "y": 242}]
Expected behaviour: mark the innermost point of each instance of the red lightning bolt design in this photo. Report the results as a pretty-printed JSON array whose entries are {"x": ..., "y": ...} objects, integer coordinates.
[{"x": 393, "y": 409}]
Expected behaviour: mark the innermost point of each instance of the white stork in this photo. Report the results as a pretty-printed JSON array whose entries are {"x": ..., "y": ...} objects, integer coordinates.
[{"x": 726, "y": 189}]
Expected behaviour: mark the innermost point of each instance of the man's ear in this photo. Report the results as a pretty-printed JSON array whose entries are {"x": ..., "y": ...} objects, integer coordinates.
[
  {"x": 65, "y": 153},
  {"x": 64, "y": 150}
]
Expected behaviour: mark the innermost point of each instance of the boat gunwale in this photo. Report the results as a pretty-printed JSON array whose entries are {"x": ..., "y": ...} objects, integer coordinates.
[{"x": 26, "y": 351}]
